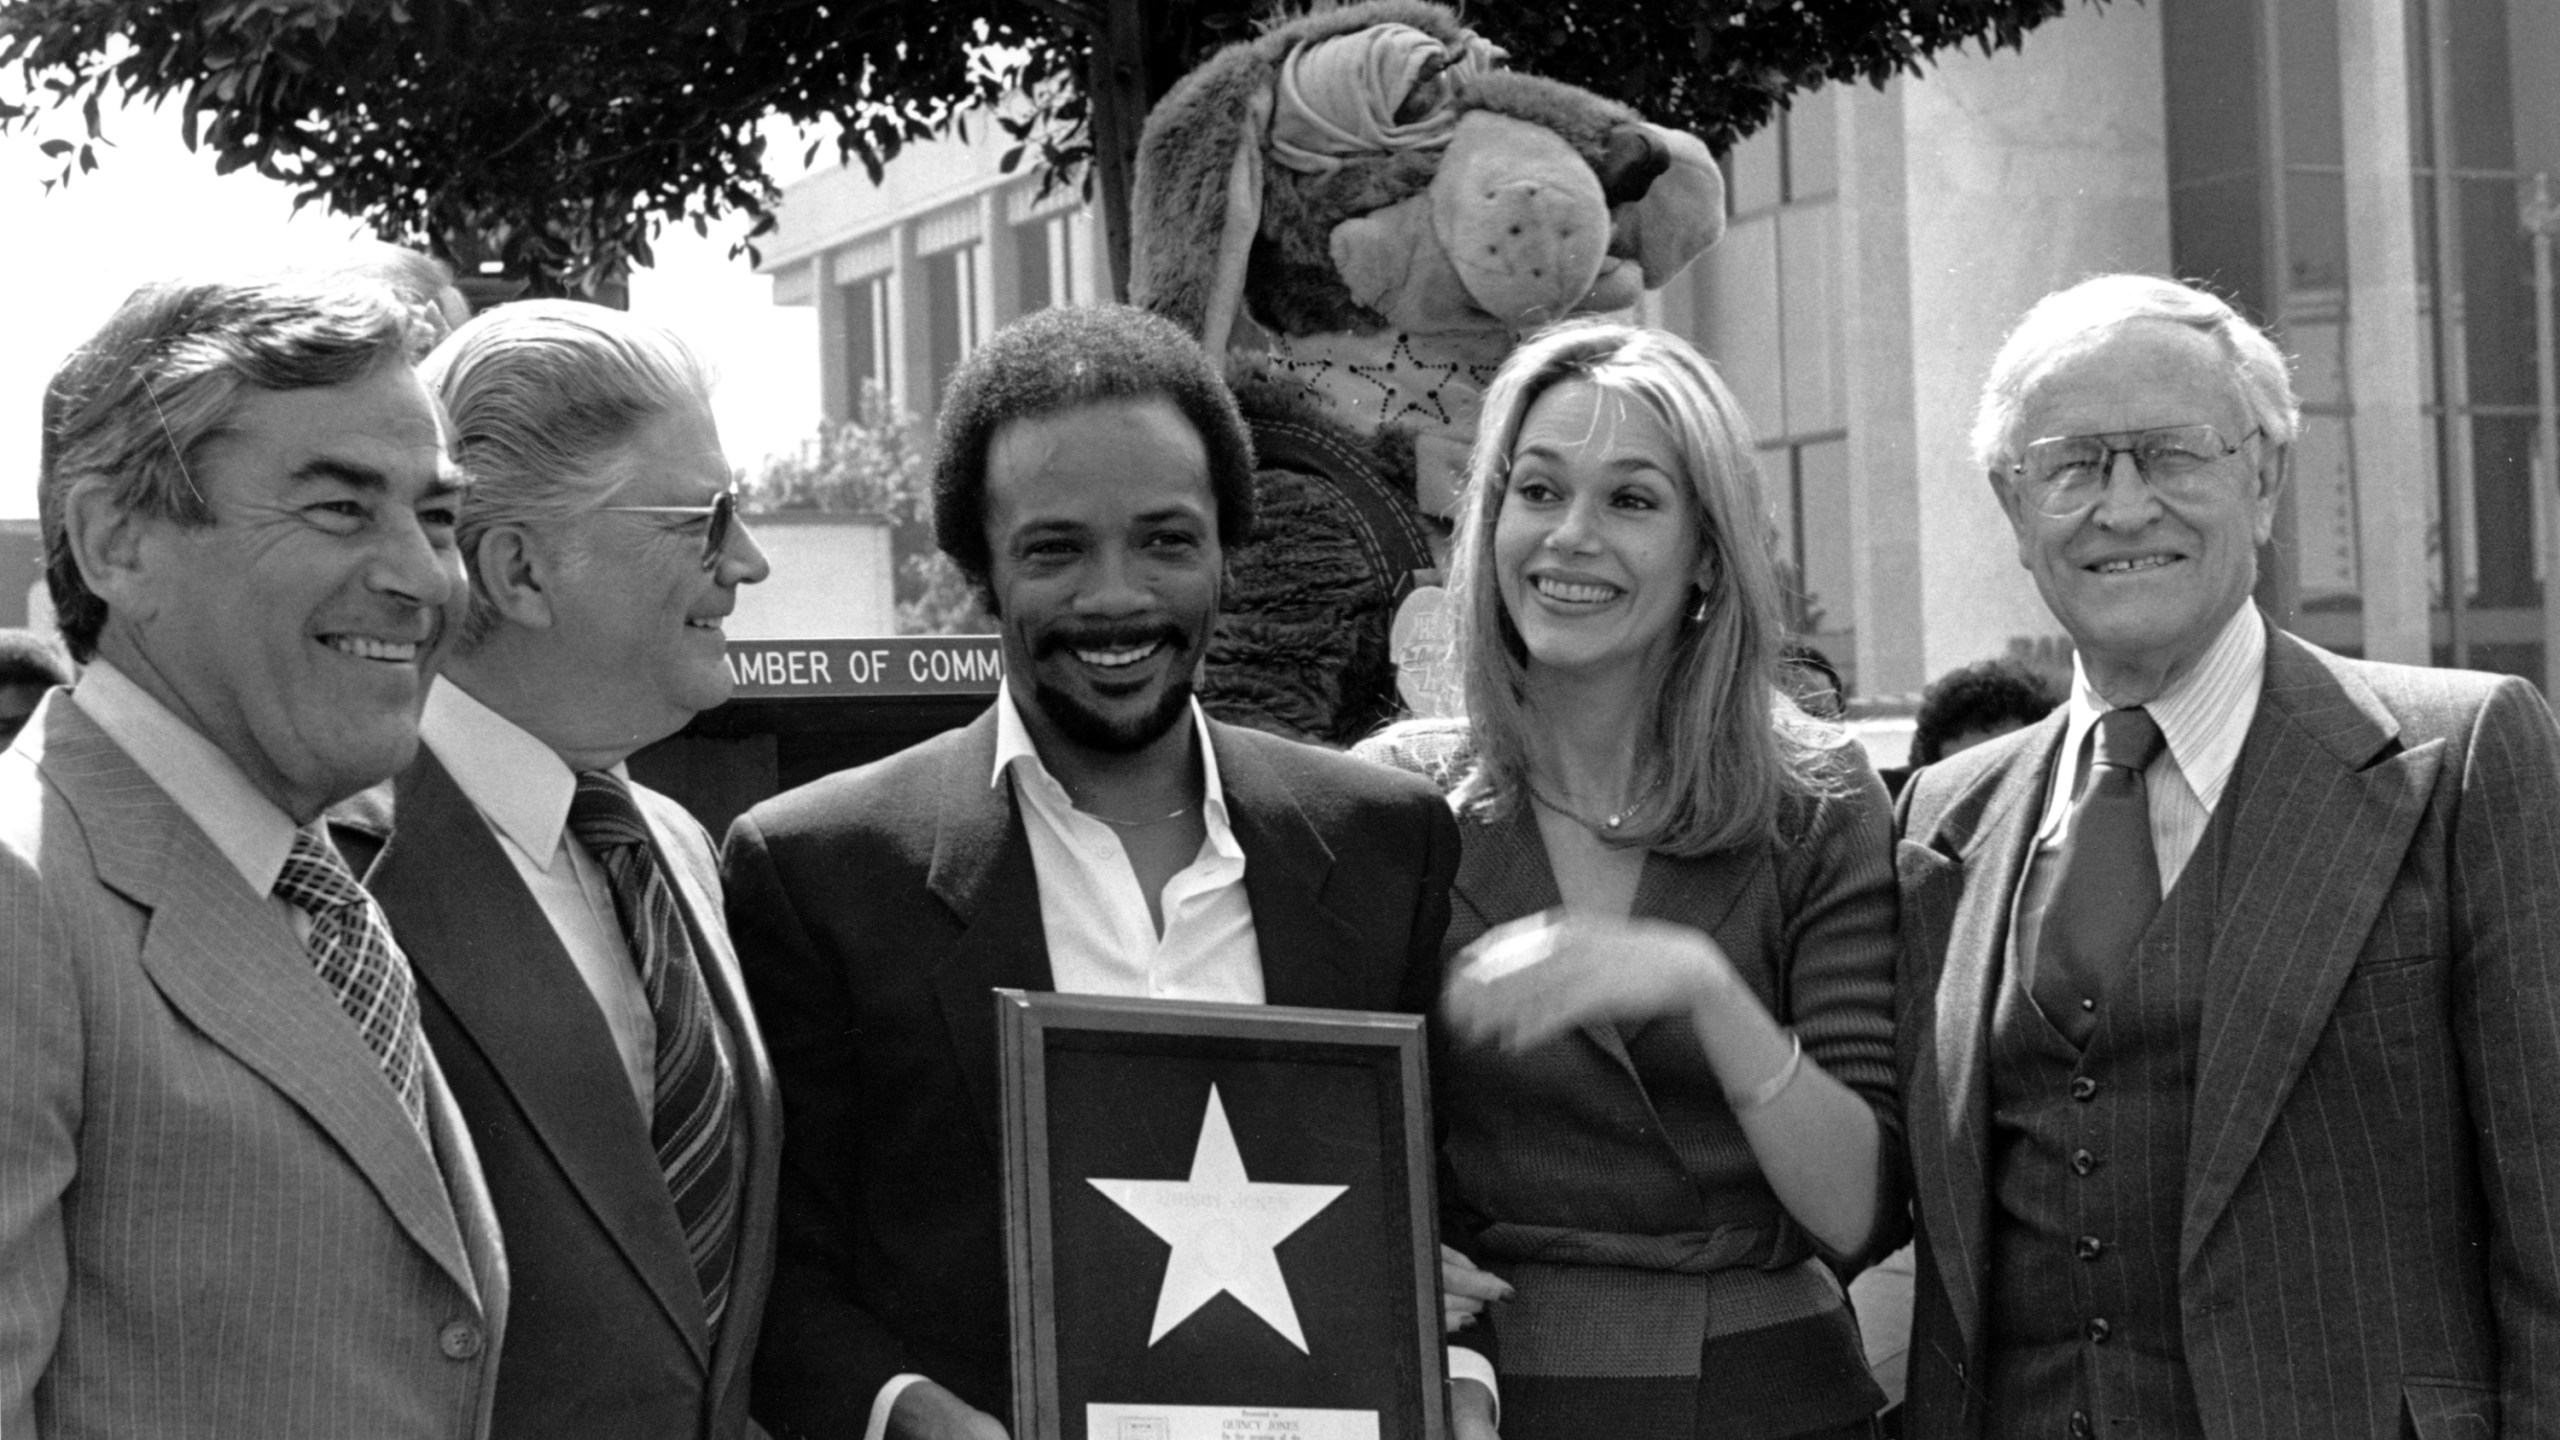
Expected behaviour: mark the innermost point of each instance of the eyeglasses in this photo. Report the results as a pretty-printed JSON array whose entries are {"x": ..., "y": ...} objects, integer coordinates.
[
  {"x": 2066, "y": 474},
  {"x": 723, "y": 511}
]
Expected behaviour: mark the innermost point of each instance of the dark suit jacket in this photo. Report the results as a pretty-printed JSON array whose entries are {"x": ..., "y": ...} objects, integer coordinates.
[
  {"x": 2371, "y": 1232},
  {"x": 215, "y": 1218},
  {"x": 607, "y": 1338},
  {"x": 875, "y": 910}
]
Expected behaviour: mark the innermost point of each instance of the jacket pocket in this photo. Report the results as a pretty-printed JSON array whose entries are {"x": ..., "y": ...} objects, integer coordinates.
[{"x": 2448, "y": 1410}]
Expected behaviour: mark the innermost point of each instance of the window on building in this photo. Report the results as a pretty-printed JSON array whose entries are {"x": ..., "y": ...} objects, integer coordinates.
[{"x": 866, "y": 336}]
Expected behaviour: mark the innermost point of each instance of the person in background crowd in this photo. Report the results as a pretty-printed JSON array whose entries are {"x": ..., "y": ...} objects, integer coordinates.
[
  {"x": 565, "y": 920},
  {"x": 236, "y": 1197},
  {"x": 2230, "y": 1024},
  {"x": 30, "y": 665},
  {"x": 1093, "y": 832},
  {"x": 1981, "y": 701},
  {"x": 1665, "y": 1083}
]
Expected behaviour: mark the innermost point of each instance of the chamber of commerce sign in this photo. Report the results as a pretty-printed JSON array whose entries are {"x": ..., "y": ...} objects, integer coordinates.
[{"x": 872, "y": 666}]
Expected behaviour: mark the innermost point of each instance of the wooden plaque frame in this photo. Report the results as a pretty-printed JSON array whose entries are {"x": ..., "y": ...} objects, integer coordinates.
[{"x": 1183, "y": 1037}]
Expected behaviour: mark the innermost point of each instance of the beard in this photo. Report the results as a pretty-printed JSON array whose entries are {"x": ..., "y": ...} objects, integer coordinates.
[
  {"x": 1104, "y": 735},
  {"x": 1083, "y": 726}
]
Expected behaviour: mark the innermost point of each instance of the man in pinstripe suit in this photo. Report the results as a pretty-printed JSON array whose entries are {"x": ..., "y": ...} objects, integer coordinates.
[
  {"x": 236, "y": 1197},
  {"x": 2231, "y": 1029}
]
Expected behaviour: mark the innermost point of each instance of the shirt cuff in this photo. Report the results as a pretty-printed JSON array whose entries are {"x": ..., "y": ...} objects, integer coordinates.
[
  {"x": 883, "y": 1403},
  {"x": 1464, "y": 1364}
]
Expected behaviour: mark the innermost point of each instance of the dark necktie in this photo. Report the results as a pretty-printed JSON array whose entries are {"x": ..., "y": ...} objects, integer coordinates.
[
  {"x": 2108, "y": 883},
  {"x": 696, "y": 1090},
  {"x": 351, "y": 947}
]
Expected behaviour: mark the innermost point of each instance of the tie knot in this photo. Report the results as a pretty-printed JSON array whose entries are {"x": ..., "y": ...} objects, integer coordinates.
[
  {"x": 603, "y": 815},
  {"x": 2129, "y": 739},
  {"x": 315, "y": 878}
]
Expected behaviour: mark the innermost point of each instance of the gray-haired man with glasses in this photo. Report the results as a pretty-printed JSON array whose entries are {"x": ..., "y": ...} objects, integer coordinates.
[
  {"x": 2230, "y": 1017},
  {"x": 565, "y": 922}
]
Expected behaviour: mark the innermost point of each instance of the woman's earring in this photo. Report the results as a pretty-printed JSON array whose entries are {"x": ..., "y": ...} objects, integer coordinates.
[{"x": 1698, "y": 612}]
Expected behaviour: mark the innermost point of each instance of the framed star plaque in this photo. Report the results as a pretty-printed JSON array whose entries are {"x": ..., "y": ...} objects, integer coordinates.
[{"x": 1219, "y": 1222}]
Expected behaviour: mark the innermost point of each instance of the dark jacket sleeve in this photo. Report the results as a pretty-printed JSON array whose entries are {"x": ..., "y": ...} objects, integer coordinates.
[{"x": 822, "y": 1358}]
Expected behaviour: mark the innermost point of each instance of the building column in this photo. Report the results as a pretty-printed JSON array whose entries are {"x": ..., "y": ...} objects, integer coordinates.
[
  {"x": 2023, "y": 173},
  {"x": 999, "y": 266},
  {"x": 909, "y": 326},
  {"x": 1887, "y": 607},
  {"x": 836, "y": 400},
  {"x": 2386, "y": 341}
]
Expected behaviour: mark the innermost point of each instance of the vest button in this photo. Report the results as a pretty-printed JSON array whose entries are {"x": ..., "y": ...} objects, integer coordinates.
[
  {"x": 459, "y": 1341},
  {"x": 2089, "y": 1247},
  {"x": 2082, "y": 1162},
  {"x": 2080, "y": 1427},
  {"x": 2083, "y": 1089},
  {"x": 2099, "y": 1330}
]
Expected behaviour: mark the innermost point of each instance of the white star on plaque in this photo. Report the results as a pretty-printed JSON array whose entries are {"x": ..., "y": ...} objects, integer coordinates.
[{"x": 1222, "y": 1228}]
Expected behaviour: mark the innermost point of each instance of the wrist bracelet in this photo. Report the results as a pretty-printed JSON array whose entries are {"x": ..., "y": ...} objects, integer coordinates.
[{"x": 1776, "y": 1085}]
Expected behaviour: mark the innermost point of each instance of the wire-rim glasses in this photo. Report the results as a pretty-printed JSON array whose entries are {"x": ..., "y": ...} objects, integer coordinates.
[
  {"x": 2064, "y": 475},
  {"x": 723, "y": 511}
]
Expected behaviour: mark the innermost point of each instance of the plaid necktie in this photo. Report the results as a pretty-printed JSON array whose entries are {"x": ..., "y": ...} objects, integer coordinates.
[
  {"x": 696, "y": 1090},
  {"x": 2108, "y": 887},
  {"x": 352, "y": 949}
]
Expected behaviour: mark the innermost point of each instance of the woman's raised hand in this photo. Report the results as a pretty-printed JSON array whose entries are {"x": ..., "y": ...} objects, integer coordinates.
[{"x": 1535, "y": 978}]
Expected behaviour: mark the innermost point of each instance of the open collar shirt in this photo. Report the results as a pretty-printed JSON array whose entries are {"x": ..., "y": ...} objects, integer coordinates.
[{"x": 1102, "y": 941}]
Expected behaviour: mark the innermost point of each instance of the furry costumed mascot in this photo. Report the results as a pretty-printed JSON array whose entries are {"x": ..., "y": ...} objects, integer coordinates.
[{"x": 1364, "y": 211}]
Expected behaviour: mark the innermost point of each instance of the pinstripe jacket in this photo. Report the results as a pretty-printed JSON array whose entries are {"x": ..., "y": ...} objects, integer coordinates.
[
  {"x": 2370, "y": 1234},
  {"x": 215, "y": 1218}
]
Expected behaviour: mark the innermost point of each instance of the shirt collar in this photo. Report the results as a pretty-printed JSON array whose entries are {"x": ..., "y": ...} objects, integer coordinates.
[
  {"x": 1013, "y": 744},
  {"x": 206, "y": 785},
  {"x": 518, "y": 782},
  {"x": 2205, "y": 715}
]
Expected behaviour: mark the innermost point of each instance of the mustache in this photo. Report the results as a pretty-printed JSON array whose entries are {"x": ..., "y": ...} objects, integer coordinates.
[{"x": 1110, "y": 637}]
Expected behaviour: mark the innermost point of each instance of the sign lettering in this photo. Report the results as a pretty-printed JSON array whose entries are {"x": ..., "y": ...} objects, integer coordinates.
[{"x": 923, "y": 665}]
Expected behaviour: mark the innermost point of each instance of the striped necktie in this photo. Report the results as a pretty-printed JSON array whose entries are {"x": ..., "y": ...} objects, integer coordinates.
[
  {"x": 696, "y": 1089},
  {"x": 351, "y": 947},
  {"x": 2108, "y": 886}
]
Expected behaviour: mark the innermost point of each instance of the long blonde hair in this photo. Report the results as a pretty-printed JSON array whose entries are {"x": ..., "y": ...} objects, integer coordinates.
[{"x": 1724, "y": 742}]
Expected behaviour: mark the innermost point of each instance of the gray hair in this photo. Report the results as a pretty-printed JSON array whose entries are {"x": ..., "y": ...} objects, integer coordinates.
[
  {"x": 540, "y": 393},
  {"x": 138, "y": 402},
  {"x": 2068, "y": 319}
]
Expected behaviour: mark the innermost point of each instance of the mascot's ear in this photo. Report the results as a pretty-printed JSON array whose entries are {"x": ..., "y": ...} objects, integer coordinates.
[
  {"x": 1235, "y": 235},
  {"x": 1196, "y": 202}
]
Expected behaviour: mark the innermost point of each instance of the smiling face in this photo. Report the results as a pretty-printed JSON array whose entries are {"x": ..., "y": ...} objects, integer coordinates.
[
  {"x": 298, "y": 631},
  {"x": 1104, "y": 566},
  {"x": 2144, "y": 585},
  {"x": 1596, "y": 546},
  {"x": 632, "y": 605}
]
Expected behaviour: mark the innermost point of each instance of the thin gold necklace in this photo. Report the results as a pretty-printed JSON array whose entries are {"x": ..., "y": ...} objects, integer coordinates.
[
  {"x": 1610, "y": 823},
  {"x": 1177, "y": 813}
]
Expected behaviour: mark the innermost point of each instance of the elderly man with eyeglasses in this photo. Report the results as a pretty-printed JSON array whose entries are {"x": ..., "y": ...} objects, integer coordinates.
[
  {"x": 566, "y": 923},
  {"x": 2231, "y": 1020}
]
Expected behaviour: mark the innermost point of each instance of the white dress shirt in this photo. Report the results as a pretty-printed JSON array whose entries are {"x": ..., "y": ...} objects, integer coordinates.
[
  {"x": 522, "y": 789},
  {"x": 203, "y": 782},
  {"x": 1102, "y": 941},
  {"x": 2204, "y": 716}
]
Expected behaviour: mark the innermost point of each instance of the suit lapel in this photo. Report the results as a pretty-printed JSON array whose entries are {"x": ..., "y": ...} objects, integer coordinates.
[
  {"x": 982, "y": 872},
  {"x": 478, "y": 938},
  {"x": 2322, "y": 759},
  {"x": 1958, "y": 886},
  {"x": 1307, "y": 948},
  {"x": 230, "y": 963}
]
